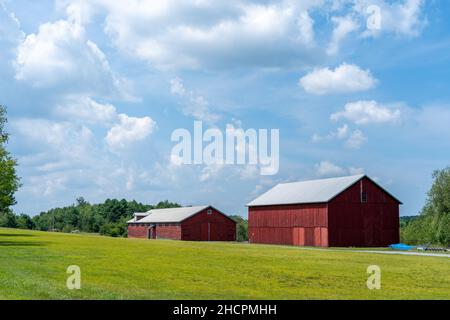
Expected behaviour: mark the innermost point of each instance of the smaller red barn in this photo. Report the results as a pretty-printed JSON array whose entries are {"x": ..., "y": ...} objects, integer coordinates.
[{"x": 201, "y": 223}]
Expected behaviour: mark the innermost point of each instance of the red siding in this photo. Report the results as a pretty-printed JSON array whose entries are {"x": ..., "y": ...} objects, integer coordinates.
[
  {"x": 371, "y": 224},
  {"x": 200, "y": 227},
  {"x": 304, "y": 224},
  {"x": 137, "y": 231},
  {"x": 208, "y": 227},
  {"x": 168, "y": 232},
  {"x": 344, "y": 221}
]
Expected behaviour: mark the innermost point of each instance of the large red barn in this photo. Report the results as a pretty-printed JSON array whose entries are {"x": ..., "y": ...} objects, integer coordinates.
[
  {"x": 201, "y": 223},
  {"x": 350, "y": 211}
]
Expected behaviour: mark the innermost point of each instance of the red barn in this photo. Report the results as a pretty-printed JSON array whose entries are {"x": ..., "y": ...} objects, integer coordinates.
[
  {"x": 203, "y": 223},
  {"x": 339, "y": 212}
]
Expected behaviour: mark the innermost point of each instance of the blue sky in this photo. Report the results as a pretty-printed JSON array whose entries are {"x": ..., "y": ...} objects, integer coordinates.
[{"x": 94, "y": 90}]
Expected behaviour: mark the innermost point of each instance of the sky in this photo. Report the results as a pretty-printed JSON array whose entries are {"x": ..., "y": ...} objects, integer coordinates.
[{"x": 95, "y": 89}]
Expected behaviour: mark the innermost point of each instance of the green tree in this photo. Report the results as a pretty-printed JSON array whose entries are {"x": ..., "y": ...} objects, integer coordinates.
[
  {"x": 9, "y": 181},
  {"x": 23, "y": 221},
  {"x": 433, "y": 224},
  {"x": 241, "y": 228}
]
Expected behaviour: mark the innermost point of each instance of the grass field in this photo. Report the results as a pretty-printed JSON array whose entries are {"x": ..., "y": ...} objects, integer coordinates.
[{"x": 33, "y": 266}]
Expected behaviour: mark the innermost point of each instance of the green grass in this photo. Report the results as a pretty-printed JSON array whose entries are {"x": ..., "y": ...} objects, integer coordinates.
[{"x": 33, "y": 266}]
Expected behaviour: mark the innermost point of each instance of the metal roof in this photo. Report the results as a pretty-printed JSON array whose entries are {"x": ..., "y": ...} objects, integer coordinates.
[
  {"x": 167, "y": 215},
  {"x": 312, "y": 191}
]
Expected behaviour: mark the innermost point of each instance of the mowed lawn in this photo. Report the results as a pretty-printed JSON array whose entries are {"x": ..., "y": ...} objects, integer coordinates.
[{"x": 33, "y": 266}]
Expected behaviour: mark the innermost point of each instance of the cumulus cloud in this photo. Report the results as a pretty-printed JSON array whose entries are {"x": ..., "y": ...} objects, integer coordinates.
[
  {"x": 356, "y": 140},
  {"x": 353, "y": 139},
  {"x": 129, "y": 130},
  {"x": 366, "y": 112},
  {"x": 10, "y": 31},
  {"x": 339, "y": 133},
  {"x": 343, "y": 79},
  {"x": 402, "y": 18},
  {"x": 60, "y": 55},
  {"x": 224, "y": 34},
  {"x": 193, "y": 104},
  {"x": 329, "y": 169},
  {"x": 342, "y": 27},
  {"x": 207, "y": 34},
  {"x": 86, "y": 109}
]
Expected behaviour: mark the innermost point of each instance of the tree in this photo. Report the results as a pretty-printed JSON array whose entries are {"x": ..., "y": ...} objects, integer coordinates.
[
  {"x": 23, "y": 221},
  {"x": 9, "y": 182},
  {"x": 241, "y": 228},
  {"x": 433, "y": 224}
]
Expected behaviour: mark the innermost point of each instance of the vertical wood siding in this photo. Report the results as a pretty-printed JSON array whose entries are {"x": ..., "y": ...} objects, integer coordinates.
[
  {"x": 208, "y": 227},
  {"x": 298, "y": 225},
  {"x": 200, "y": 227},
  {"x": 344, "y": 221},
  {"x": 137, "y": 231},
  {"x": 371, "y": 224}
]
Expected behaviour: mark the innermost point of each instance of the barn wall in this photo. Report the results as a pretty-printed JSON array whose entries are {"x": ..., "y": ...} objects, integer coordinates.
[
  {"x": 371, "y": 224},
  {"x": 221, "y": 228},
  {"x": 137, "y": 231},
  {"x": 168, "y": 232},
  {"x": 301, "y": 225}
]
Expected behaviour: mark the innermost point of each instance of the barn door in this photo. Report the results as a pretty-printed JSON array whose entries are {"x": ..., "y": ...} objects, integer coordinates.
[
  {"x": 213, "y": 232},
  {"x": 309, "y": 237},
  {"x": 298, "y": 236},
  {"x": 152, "y": 232},
  {"x": 205, "y": 231}
]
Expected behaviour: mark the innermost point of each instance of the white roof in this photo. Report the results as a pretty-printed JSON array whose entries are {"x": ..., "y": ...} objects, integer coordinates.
[
  {"x": 167, "y": 215},
  {"x": 312, "y": 191}
]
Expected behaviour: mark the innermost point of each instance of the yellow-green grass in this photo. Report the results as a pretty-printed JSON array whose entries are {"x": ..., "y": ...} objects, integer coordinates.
[{"x": 33, "y": 266}]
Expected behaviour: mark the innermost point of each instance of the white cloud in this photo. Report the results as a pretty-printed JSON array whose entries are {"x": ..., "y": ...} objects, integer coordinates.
[
  {"x": 339, "y": 133},
  {"x": 129, "y": 130},
  {"x": 207, "y": 34},
  {"x": 60, "y": 55},
  {"x": 402, "y": 18},
  {"x": 353, "y": 139},
  {"x": 10, "y": 31},
  {"x": 356, "y": 140},
  {"x": 343, "y": 79},
  {"x": 58, "y": 136},
  {"x": 342, "y": 27},
  {"x": 329, "y": 169},
  {"x": 365, "y": 112},
  {"x": 193, "y": 105},
  {"x": 86, "y": 109},
  {"x": 355, "y": 171}
]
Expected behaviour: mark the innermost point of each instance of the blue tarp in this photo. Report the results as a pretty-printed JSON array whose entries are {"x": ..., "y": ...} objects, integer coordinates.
[{"x": 401, "y": 246}]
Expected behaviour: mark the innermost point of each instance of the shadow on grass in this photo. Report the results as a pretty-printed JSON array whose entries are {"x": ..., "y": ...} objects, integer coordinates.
[
  {"x": 16, "y": 235},
  {"x": 22, "y": 244}
]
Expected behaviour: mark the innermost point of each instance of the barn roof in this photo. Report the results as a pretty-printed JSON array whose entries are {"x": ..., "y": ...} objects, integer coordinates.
[
  {"x": 312, "y": 191},
  {"x": 167, "y": 215}
]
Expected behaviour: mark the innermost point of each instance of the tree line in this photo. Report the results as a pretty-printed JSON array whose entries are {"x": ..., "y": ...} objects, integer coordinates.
[{"x": 108, "y": 218}]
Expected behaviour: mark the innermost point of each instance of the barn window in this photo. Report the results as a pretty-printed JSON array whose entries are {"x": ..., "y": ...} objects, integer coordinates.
[
  {"x": 364, "y": 197},
  {"x": 209, "y": 211}
]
